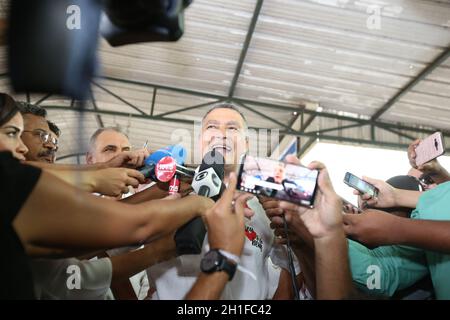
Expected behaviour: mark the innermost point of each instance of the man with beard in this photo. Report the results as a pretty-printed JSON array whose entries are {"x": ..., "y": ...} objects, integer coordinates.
[
  {"x": 37, "y": 134},
  {"x": 224, "y": 129}
]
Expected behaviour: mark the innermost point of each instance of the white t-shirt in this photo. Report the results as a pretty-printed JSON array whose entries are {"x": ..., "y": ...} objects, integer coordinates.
[
  {"x": 55, "y": 279},
  {"x": 50, "y": 277},
  {"x": 174, "y": 278}
]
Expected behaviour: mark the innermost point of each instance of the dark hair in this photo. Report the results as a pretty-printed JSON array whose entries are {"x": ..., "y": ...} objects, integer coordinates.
[
  {"x": 225, "y": 105},
  {"x": 8, "y": 108},
  {"x": 404, "y": 183},
  {"x": 99, "y": 131},
  {"x": 28, "y": 108},
  {"x": 54, "y": 128}
]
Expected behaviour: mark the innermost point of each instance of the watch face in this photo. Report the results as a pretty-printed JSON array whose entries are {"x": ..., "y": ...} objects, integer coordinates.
[{"x": 210, "y": 261}]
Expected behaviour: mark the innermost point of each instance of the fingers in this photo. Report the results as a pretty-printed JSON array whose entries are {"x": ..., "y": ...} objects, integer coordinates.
[
  {"x": 227, "y": 196},
  {"x": 248, "y": 213},
  {"x": 274, "y": 212},
  {"x": 271, "y": 204},
  {"x": 239, "y": 207},
  {"x": 292, "y": 159},
  {"x": 349, "y": 218},
  {"x": 317, "y": 165},
  {"x": 172, "y": 196},
  {"x": 132, "y": 182},
  {"x": 136, "y": 175},
  {"x": 125, "y": 190}
]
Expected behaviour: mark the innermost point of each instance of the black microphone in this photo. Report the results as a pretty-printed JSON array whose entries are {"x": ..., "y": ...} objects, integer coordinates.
[{"x": 207, "y": 182}]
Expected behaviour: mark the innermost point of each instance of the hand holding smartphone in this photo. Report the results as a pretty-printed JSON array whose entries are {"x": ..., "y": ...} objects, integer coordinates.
[
  {"x": 429, "y": 148},
  {"x": 362, "y": 186},
  {"x": 278, "y": 180}
]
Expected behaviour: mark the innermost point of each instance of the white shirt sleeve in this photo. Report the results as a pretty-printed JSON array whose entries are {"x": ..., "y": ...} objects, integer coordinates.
[
  {"x": 52, "y": 278},
  {"x": 279, "y": 257}
]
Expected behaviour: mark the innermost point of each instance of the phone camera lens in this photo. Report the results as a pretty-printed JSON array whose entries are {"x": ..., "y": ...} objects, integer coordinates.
[{"x": 436, "y": 144}]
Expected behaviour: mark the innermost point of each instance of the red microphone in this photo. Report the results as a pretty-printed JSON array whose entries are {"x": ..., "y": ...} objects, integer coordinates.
[{"x": 166, "y": 170}]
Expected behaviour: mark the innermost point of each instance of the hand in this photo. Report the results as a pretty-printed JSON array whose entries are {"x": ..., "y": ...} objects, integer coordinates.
[
  {"x": 248, "y": 213},
  {"x": 386, "y": 198},
  {"x": 372, "y": 227},
  {"x": 432, "y": 167},
  {"x": 129, "y": 159},
  {"x": 325, "y": 219},
  {"x": 203, "y": 204},
  {"x": 348, "y": 208},
  {"x": 115, "y": 181},
  {"x": 225, "y": 225}
]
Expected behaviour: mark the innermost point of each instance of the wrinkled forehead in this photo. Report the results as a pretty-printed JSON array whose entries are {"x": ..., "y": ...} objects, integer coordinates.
[
  {"x": 112, "y": 138},
  {"x": 32, "y": 122},
  {"x": 224, "y": 116}
]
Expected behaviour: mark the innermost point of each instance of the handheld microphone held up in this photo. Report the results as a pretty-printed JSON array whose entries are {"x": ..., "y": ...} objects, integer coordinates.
[
  {"x": 164, "y": 163},
  {"x": 207, "y": 182}
]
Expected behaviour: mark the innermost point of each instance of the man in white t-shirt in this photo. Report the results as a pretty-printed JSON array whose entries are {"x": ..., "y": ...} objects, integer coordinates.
[
  {"x": 224, "y": 129},
  {"x": 98, "y": 275}
]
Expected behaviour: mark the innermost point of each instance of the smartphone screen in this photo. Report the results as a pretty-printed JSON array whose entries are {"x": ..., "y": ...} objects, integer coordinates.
[
  {"x": 360, "y": 185},
  {"x": 276, "y": 179},
  {"x": 429, "y": 148}
]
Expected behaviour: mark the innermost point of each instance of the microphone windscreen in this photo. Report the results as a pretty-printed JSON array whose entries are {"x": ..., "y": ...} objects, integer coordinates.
[{"x": 214, "y": 160}]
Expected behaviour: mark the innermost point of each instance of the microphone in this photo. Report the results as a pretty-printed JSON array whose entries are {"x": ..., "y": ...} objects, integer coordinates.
[
  {"x": 207, "y": 182},
  {"x": 175, "y": 152}
]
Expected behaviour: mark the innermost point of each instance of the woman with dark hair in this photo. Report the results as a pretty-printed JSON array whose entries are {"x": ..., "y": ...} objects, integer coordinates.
[
  {"x": 11, "y": 125},
  {"x": 42, "y": 215}
]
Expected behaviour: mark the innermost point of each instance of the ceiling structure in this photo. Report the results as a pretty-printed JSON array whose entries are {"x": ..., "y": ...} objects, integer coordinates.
[{"x": 368, "y": 72}]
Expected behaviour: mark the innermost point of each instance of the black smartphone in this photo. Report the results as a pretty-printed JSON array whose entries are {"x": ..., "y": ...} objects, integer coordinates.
[
  {"x": 278, "y": 180},
  {"x": 360, "y": 185}
]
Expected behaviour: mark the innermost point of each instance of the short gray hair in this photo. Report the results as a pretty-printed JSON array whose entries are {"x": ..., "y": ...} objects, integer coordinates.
[
  {"x": 226, "y": 105},
  {"x": 99, "y": 131}
]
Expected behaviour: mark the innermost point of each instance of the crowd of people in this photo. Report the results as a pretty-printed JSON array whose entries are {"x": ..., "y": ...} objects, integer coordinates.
[{"x": 103, "y": 231}]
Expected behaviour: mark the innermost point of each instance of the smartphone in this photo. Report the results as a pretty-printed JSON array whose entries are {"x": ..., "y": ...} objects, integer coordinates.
[
  {"x": 360, "y": 185},
  {"x": 278, "y": 180},
  {"x": 430, "y": 148}
]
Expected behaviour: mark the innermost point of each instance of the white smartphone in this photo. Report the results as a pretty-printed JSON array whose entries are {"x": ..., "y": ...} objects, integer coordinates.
[{"x": 430, "y": 148}]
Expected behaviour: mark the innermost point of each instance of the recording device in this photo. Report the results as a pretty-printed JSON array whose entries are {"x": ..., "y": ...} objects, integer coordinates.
[
  {"x": 430, "y": 148},
  {"x": 360, "y": 185},
  {"x": 163, "y": 164},
  {"x": 276, "y": 179},
  {"x": 207, "y": 182},
  {"x": 133, "y": 21},
  {"x": 57, "y": 39}
]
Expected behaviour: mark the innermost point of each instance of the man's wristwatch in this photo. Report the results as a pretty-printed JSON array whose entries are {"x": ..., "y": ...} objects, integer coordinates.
[{"x": 215, "y": 261}]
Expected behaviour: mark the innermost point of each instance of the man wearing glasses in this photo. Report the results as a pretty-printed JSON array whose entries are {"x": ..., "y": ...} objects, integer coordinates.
[{"x": 37, "y": 136}]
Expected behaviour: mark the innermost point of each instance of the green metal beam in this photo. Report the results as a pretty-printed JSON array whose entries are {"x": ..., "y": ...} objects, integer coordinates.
[
  {"x": 118, "y": 97},
  {"x": 161, "y": 115},
  {"x": 43, "y": 99},
  {"x": 94, "y": 105},
  {"x": 282, "y": 125},
  {"x": 427, "y": 130},
  {"x": 248, "y": 39},
  {"x": 425, "y": 72},
  {"x": 321, "y": 131},
  {"x": 305, "y": 146},
  {"x": 122, "y": 114},
  {"x": 399, "y": 133},
  {"x": 153, "y": 101}
]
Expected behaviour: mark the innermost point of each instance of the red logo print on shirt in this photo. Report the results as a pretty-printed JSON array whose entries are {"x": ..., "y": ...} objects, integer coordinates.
[{"x": 253, "y": 237}]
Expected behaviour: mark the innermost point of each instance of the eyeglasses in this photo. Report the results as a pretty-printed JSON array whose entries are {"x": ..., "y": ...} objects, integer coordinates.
[{"x": 45, "y": 136}]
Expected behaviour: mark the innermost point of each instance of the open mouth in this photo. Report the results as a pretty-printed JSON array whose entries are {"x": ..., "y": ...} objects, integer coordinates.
[{"x": 222, "y": 148}]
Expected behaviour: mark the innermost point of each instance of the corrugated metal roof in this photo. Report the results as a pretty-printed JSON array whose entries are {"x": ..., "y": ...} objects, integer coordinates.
[{"x": 324, "y": 51}]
